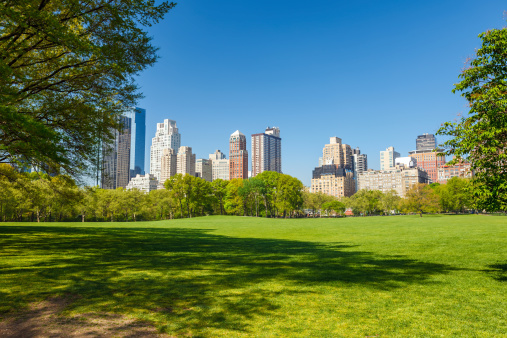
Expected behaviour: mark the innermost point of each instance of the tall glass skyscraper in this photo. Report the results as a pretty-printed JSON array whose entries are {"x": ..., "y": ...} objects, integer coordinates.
[{"x": 138, "y": 140}]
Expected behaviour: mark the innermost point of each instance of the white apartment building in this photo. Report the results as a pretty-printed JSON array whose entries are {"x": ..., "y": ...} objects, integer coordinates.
[
  {"x": 185, "y": 162},
  {"x": 399, "y": 179},
  {"x": 166, "y": 136},
  {"x": 388, "y": 158},
  {"x": 359, "y": 164},
  {"x": 144, "y": 183},
  {"x": 203, "y": 169},
  {"x": 220, "y": 166}
]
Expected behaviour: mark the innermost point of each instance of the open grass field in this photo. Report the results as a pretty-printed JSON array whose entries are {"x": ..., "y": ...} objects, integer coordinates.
[{"x": 401, "y": 276}]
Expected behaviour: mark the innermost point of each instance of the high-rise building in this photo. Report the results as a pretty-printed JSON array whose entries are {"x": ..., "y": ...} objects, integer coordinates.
[
  {"x": 220, "y": 166},
  {"x": 337, "y": 153},
  {"x": 138, "y": 140},
  {"x": 333, "y": 181},
  {"x": 238, "y": 156},
  {"x": 387, "y": 158},
  {"x": 166, "y": 136},
  {"x": 426, "y": 142},
  {"x": 116, "y": 157},
  {"x": 406, "y": 162},
  {"x": 359, "y": 163},
  {"x": 168, "y": 165},
  {"x": 267, "y": 151},
  {"x": 185, "y": 161},
  {"x": 430, "y": 161},
  {"x": 399, "y": 179},
  {"x": 203, "y": 169}
]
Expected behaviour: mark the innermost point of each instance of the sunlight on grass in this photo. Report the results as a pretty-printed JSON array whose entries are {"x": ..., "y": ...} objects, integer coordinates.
[{"x": 217, "y": 276}]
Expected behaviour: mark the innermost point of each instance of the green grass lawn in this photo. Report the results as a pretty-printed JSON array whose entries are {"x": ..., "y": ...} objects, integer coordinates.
[{"x": 401, "y": 276}]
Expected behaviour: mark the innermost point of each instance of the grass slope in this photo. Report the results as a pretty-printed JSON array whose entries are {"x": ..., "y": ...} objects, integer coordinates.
[{"x": 235, "y": 276}]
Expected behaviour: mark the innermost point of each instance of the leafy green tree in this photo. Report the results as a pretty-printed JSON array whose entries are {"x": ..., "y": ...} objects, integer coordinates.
[
  {"x": 481, "y": 136},
  {"x": 366, "y": 201},
  {"x": 289, "y": 191},
  {"x": 389, "y": 201},
  {"x": 68, "y": 69},
  {"x": 270, "y": 179},
  {"x": 421, "y": 198},
  {"x": 219, "y": 192},
  {"x": 253, "y": 190},
  {"x": 177, "y": 187},
  {"x": 336, "y": 206},
  {"x": 234, "y": 203}
]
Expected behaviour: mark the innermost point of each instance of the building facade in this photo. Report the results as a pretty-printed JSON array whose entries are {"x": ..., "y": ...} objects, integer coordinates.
[
  {"x": 185, "y": 161},
  {"x": 426, "y": 142},
  {"x": 359, "y": 163},
  {"x": 406, "y": 162},
  {"x": 166, "y": 136},
  {"x": 203, "y": 169},
  {"x": 399, "y": 179},
  {"x": 446, "y": 172},
  {"x": 144, "y": 183},
  {"x": 138, "y": 140},
  {"x": 267, "y": 151},
  {"x": 220, "y": 166},
  {"x": 238, "y": 156},
  {"x": 337, "y": 153},
  {"x": 168, "y": 165},
  {"x": 430, "y": 161},
  {"x": 116, "y": 157},
  {"x": 388, "y": 158},
  {"x": 333, "y": 181}
]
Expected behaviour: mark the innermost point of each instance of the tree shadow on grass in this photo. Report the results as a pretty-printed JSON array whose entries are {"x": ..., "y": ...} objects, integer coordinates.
[
  {"x": 498, "y": 271},
  {"x": 184, "y": 280}
]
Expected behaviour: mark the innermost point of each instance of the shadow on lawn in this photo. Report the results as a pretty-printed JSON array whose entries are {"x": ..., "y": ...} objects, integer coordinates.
[
  {"x": 498, "y": 271},
  {"x": 184, "y": 279}
]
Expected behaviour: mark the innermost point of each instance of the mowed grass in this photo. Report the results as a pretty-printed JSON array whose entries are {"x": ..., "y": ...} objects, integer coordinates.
[{"x": 400, "y": 276}]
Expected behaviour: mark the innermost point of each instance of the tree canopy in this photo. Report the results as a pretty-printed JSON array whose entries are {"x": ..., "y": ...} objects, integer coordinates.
[
  {"x": 481, "y": 136},
  {"x": 67, "y": 70}
]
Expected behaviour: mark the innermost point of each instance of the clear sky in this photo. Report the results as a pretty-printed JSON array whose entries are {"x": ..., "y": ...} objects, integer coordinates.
[{"x": 374, "y": 73}]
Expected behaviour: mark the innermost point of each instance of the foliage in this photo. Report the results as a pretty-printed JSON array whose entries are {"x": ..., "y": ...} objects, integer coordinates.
[
  {"x": 455, "y": 195},
  {"x": 68, "y": 70},
  {"x": 481, "y": 136},
  {"x": 421, "y": 198}
]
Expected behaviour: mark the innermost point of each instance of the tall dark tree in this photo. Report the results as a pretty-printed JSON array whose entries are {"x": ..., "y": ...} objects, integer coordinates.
[{"x": 67, "y": 71}]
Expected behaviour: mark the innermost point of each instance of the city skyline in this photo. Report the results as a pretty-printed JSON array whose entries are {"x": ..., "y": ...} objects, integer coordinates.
[{"x": 231, "y": 65}]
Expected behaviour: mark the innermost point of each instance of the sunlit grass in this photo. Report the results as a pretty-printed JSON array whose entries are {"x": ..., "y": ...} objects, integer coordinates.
[{"x": 234, "y": 276}]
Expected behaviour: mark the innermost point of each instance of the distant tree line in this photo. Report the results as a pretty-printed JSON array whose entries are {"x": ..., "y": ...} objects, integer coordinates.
[{"x": 38, "y": 197}]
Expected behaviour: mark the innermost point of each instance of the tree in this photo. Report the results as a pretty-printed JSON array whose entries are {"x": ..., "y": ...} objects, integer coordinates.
[
  {"x": 421, "y": 198},
  {"x": 336, "y": 206},
  {"x": 219, "y": 191},
  {"x": 389, "y": 201},
  {"x": 67, "y": 70},
  {"x": 481, "y": 137}
]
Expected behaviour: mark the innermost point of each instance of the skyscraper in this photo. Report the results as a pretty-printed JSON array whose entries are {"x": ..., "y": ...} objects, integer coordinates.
[
  {"x": 167, "y": 165},
  {"x": 387, "y": 158},
  {"x": 359, "y": 164},
  {"x": 185, "y": 161},
  {"x": 238, "y": 156},
  {"x": 337, "y": 153},
  {"x": 116, "y": 157},
  {"x": 166, "y": 136},
  {"x": 426, "y": 142},
  {"x": 203, "y": 169},
  {"x": 138, "y": 140},
  {"x": 219, "y": 165},
  {"x": 267, "y": 151}
]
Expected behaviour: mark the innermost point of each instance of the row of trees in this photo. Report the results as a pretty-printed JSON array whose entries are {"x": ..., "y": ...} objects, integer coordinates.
[{"x": 37, "y": 197}]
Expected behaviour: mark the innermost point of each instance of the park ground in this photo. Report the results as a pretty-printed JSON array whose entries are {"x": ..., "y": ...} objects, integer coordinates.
[{"x": 397, "y": 276}]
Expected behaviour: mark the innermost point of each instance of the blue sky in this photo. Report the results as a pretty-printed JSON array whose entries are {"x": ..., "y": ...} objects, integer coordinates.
[{"x": 374, "y": 73}]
